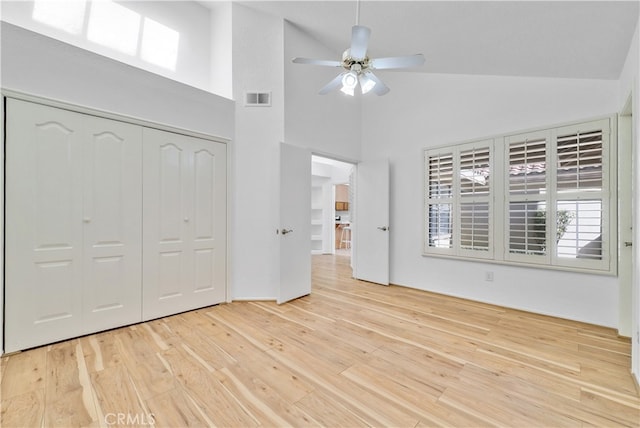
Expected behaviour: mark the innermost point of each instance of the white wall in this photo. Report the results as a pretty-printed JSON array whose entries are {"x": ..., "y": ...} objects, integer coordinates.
[
  {"x": 425, "y": 110},
  {"x": 337, "y": 174},
  {"x": 254, "y": 179},
  {"x": 38, "y": 65},
  {"x": 42, "y": 66},
  {"x": 629, "y": 86},
  {"x": 221, "y": 48},
  {"x": 262, "y": 49},
  {"x": 190, "y": 19}
]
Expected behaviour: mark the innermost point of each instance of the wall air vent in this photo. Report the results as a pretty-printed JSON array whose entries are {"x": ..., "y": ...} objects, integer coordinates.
[{"x": 257, "y": 99}]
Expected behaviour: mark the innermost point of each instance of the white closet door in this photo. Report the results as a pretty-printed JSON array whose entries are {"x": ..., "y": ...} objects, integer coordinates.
[
  {"x": 184, "y": 260},
  {"x": 43, "y": 287},
  {"x": 112, "y": 217}
]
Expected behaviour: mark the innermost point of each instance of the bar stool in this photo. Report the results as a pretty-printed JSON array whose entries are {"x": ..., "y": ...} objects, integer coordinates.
[{"x": 345, "y": 236}]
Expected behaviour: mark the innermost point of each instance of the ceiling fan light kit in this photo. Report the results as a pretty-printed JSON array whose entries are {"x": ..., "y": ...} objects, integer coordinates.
[
  {"x": 359, "y": 67},
  {"x": 366, "y": 82},
  {"x": 349, "y": 82}
]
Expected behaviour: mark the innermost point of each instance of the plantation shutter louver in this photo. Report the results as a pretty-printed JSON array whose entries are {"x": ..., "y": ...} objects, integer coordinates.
[
  {"x": 581, "y": 197},
  {"x": 440, "y": 200},
  {"x": 475, "y": 203},
  {"x": 527, "y": 197}
]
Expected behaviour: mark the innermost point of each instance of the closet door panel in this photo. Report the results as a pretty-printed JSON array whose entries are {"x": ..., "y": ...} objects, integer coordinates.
[
  {"x": 171, "y": 271},
  {"x": 204, "y": 197},
  {"x": 169, "y": 166},
  {"x": 209, "y": 227},
  {"x": 181, "y": 269},
  {"x": 112, "y": 218},
  {"x": 165, "y": 232},
  {"x": 44, "y": 225}
]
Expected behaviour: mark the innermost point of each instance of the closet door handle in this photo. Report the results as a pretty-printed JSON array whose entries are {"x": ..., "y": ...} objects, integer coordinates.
[{"x": 87, "y": 220}]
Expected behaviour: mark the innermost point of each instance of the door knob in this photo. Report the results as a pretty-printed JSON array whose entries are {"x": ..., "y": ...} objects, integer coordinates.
[
  {"x": 628, "y": 244},
  {"x": 383, "y": 228},
  {"x": 285, "y": 231}
]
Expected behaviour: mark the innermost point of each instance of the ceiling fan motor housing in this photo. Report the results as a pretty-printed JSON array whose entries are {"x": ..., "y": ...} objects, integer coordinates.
[{"x": 351, "y": 64}]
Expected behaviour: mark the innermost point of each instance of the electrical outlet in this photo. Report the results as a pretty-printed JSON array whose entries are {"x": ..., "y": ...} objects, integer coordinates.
[{"x": 488, "y": 275}]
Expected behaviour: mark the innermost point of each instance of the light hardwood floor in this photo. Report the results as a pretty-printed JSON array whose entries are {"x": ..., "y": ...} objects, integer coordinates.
[{"x": 351, "y": 354}]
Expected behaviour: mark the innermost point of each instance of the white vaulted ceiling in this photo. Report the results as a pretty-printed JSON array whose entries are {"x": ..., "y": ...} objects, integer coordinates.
[{"x": 566, "y": 39}]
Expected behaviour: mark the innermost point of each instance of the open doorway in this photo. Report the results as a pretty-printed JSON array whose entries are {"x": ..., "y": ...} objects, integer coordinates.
[{"x": 332, "y": 207}]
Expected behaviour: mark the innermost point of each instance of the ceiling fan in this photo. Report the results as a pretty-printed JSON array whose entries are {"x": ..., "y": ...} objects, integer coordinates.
[{"x": 358, "y": 66}]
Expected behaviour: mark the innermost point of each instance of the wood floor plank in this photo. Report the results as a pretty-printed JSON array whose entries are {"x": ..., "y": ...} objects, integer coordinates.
[
  {"x": 551, "y": 383},
  {"x": 148, "y": 373},
  {"x": 418, "y": 317},
  {"x": 174, "y": 409},
  {"x": 65, "y": 401},
  {"x": 328, "y": 411},
  {"x": 205, "y": 350},
  {"x": 369, "y": 406},
  {"x": 220, "y": 405},
  {"x": 413, "y": 364},
  {"x": 350, "y": 354},
  {"x": 24, "y": 372},
  {"x": 24, "y": 410},
  {"x": 229, "y": 315},
  {"x": 286, "y": 383},
  {"x": 263, "y": 400},
  {"x": 126, "y": 401}
]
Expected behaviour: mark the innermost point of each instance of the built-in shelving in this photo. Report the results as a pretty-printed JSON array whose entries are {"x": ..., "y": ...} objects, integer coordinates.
[{"x": 317, "y": 214}]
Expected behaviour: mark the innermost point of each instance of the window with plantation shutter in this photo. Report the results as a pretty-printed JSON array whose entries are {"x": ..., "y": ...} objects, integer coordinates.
[
  {"x": 551, "y": 206},
  {"x": 474, "y": 202},
  {"x": 439, "y": 200},
  {"x": 582, "y": 196},
  {"x": 458, "y": 201},
  {"x": 526, "y": 175}
]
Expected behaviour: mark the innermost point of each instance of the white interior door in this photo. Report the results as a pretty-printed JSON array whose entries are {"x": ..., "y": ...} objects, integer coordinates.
[
  {"x": 625, "y": 214},
  {"x": 112, "y": 217},
  {"x": 43, "y": 267},
  {"x": 184, "y": 188},
  {"x": 371, "y": 226},
  {"x": 629, "y": 294},
  {"x": 295, "y": 223}
]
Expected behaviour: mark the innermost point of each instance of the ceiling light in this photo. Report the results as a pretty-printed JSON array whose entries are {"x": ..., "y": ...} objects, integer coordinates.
[
  {"x": 366, "y": 83},
  {"x": 348, "y": 91},
  {"x": 349, "y": 82}
]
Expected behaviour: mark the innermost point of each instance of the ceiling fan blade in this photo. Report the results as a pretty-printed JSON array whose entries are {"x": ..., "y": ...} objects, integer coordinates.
[
  {"x": 325, "y": 62},
  {"x": 337, "y": 81},
  {"x": 397, "y": 62},
  {"x": 380, "y": 88},
  {"x": 359, "y": 41}
]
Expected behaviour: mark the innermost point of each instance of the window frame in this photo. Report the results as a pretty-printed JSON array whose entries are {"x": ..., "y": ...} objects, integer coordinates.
[{"x": 500, "y": 197}]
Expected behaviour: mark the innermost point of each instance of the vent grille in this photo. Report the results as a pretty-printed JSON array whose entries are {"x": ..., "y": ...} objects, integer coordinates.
[{"x": 257, "y": 99}]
